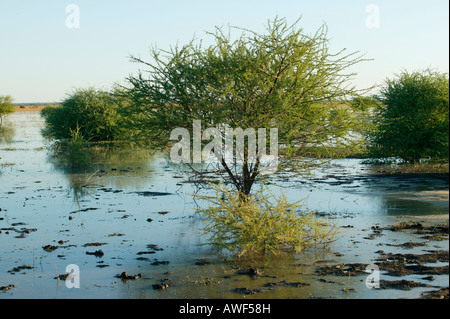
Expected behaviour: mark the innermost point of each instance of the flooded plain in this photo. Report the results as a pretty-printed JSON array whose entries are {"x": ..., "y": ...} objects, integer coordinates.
[{"x": 127, "y": 222}]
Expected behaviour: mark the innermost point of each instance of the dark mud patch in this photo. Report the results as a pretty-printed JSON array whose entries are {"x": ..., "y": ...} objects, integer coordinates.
[
  {"x": 125, "y": 276},
  {"x": 83, "y": 210},
  {"x": 401, "y": 284},
  {"x": 50, "y": 248},
  {"x": 154, "y": 247},
  {"x": 97, "y": 253},
  {"x": 270, "y": 287},
  {"x": 399, "y": 269},
  {"x": 398, "y": 265},
  {"x": 164, "y": 284},
  {"x": 22, "y": 232},
  {"x": 253, "y": 273},
  {"x": 284, "y": 283},
  {"x": 433, "y": 256},
  {"x": 414, "y": 177},
  {"x": 355, "y": 269},
  {"x": 436, "y": 294},
  {"x": 408, "y": 245},
  {"x": 376, "y": 232},
  {"x": 6, "y": 288},
  {"x": 19, "y": 269},
  {"x": 146, "y": 252},
  {"x": 249, "y": 291},
  {"x": 202, "y": 262},
  {"x": 94, "y": 244},
  {"x": 64, "y": 277},
  {"x": 152, "y": 194},
  {"x": 433, "y": 232},
  {"x": 159, "y": 262}
]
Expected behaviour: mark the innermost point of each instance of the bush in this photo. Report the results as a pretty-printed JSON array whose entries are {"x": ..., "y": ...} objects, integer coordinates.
[
  {"x": 413, "y": 123},
  {"x": 92, "y": 113},
  {"x": 261, "y": 223}
]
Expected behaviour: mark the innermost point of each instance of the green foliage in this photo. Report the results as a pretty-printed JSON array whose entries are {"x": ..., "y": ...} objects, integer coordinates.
[
  {"x": 73, "y": 151},
  {"x": 413, "y": 124},
  {"x": 90, "y": 112},
  {"x": 6, "y": 106},
  {"x": 262, "y": 223},
  {"x": 284, "y": 79}
]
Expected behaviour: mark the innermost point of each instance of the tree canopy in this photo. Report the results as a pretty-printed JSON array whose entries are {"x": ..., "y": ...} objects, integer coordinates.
[{"x": 284, "y": 79}]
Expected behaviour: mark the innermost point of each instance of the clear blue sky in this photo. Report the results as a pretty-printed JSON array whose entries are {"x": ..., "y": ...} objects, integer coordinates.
[{"x": 42, "y": 60}]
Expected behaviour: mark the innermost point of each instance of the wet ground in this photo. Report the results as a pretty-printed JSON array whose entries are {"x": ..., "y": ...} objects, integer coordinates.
[{"x": 131, "y": 232}]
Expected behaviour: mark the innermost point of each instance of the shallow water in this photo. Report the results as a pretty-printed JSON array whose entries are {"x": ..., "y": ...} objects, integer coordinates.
[{"x": 142, "y": 210}]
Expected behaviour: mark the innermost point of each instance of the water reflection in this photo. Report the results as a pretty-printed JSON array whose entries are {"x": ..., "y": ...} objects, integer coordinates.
[
  {"x": 7, "y": 133},
  {"x": 118, "y": 168}
]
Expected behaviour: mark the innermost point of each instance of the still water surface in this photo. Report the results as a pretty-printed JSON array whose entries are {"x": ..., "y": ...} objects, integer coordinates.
[{"x": 140, "y": 206}]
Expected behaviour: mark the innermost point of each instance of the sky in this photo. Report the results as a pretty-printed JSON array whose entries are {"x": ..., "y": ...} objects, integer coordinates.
[{"x": 48, "y": 48}]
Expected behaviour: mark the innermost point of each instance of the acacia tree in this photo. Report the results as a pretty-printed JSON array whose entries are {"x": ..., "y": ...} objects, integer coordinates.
[
  {"x": 6, "y": 106},
  {"x": 413, "y": 122},
  {"x": 283, "y": 78}
]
